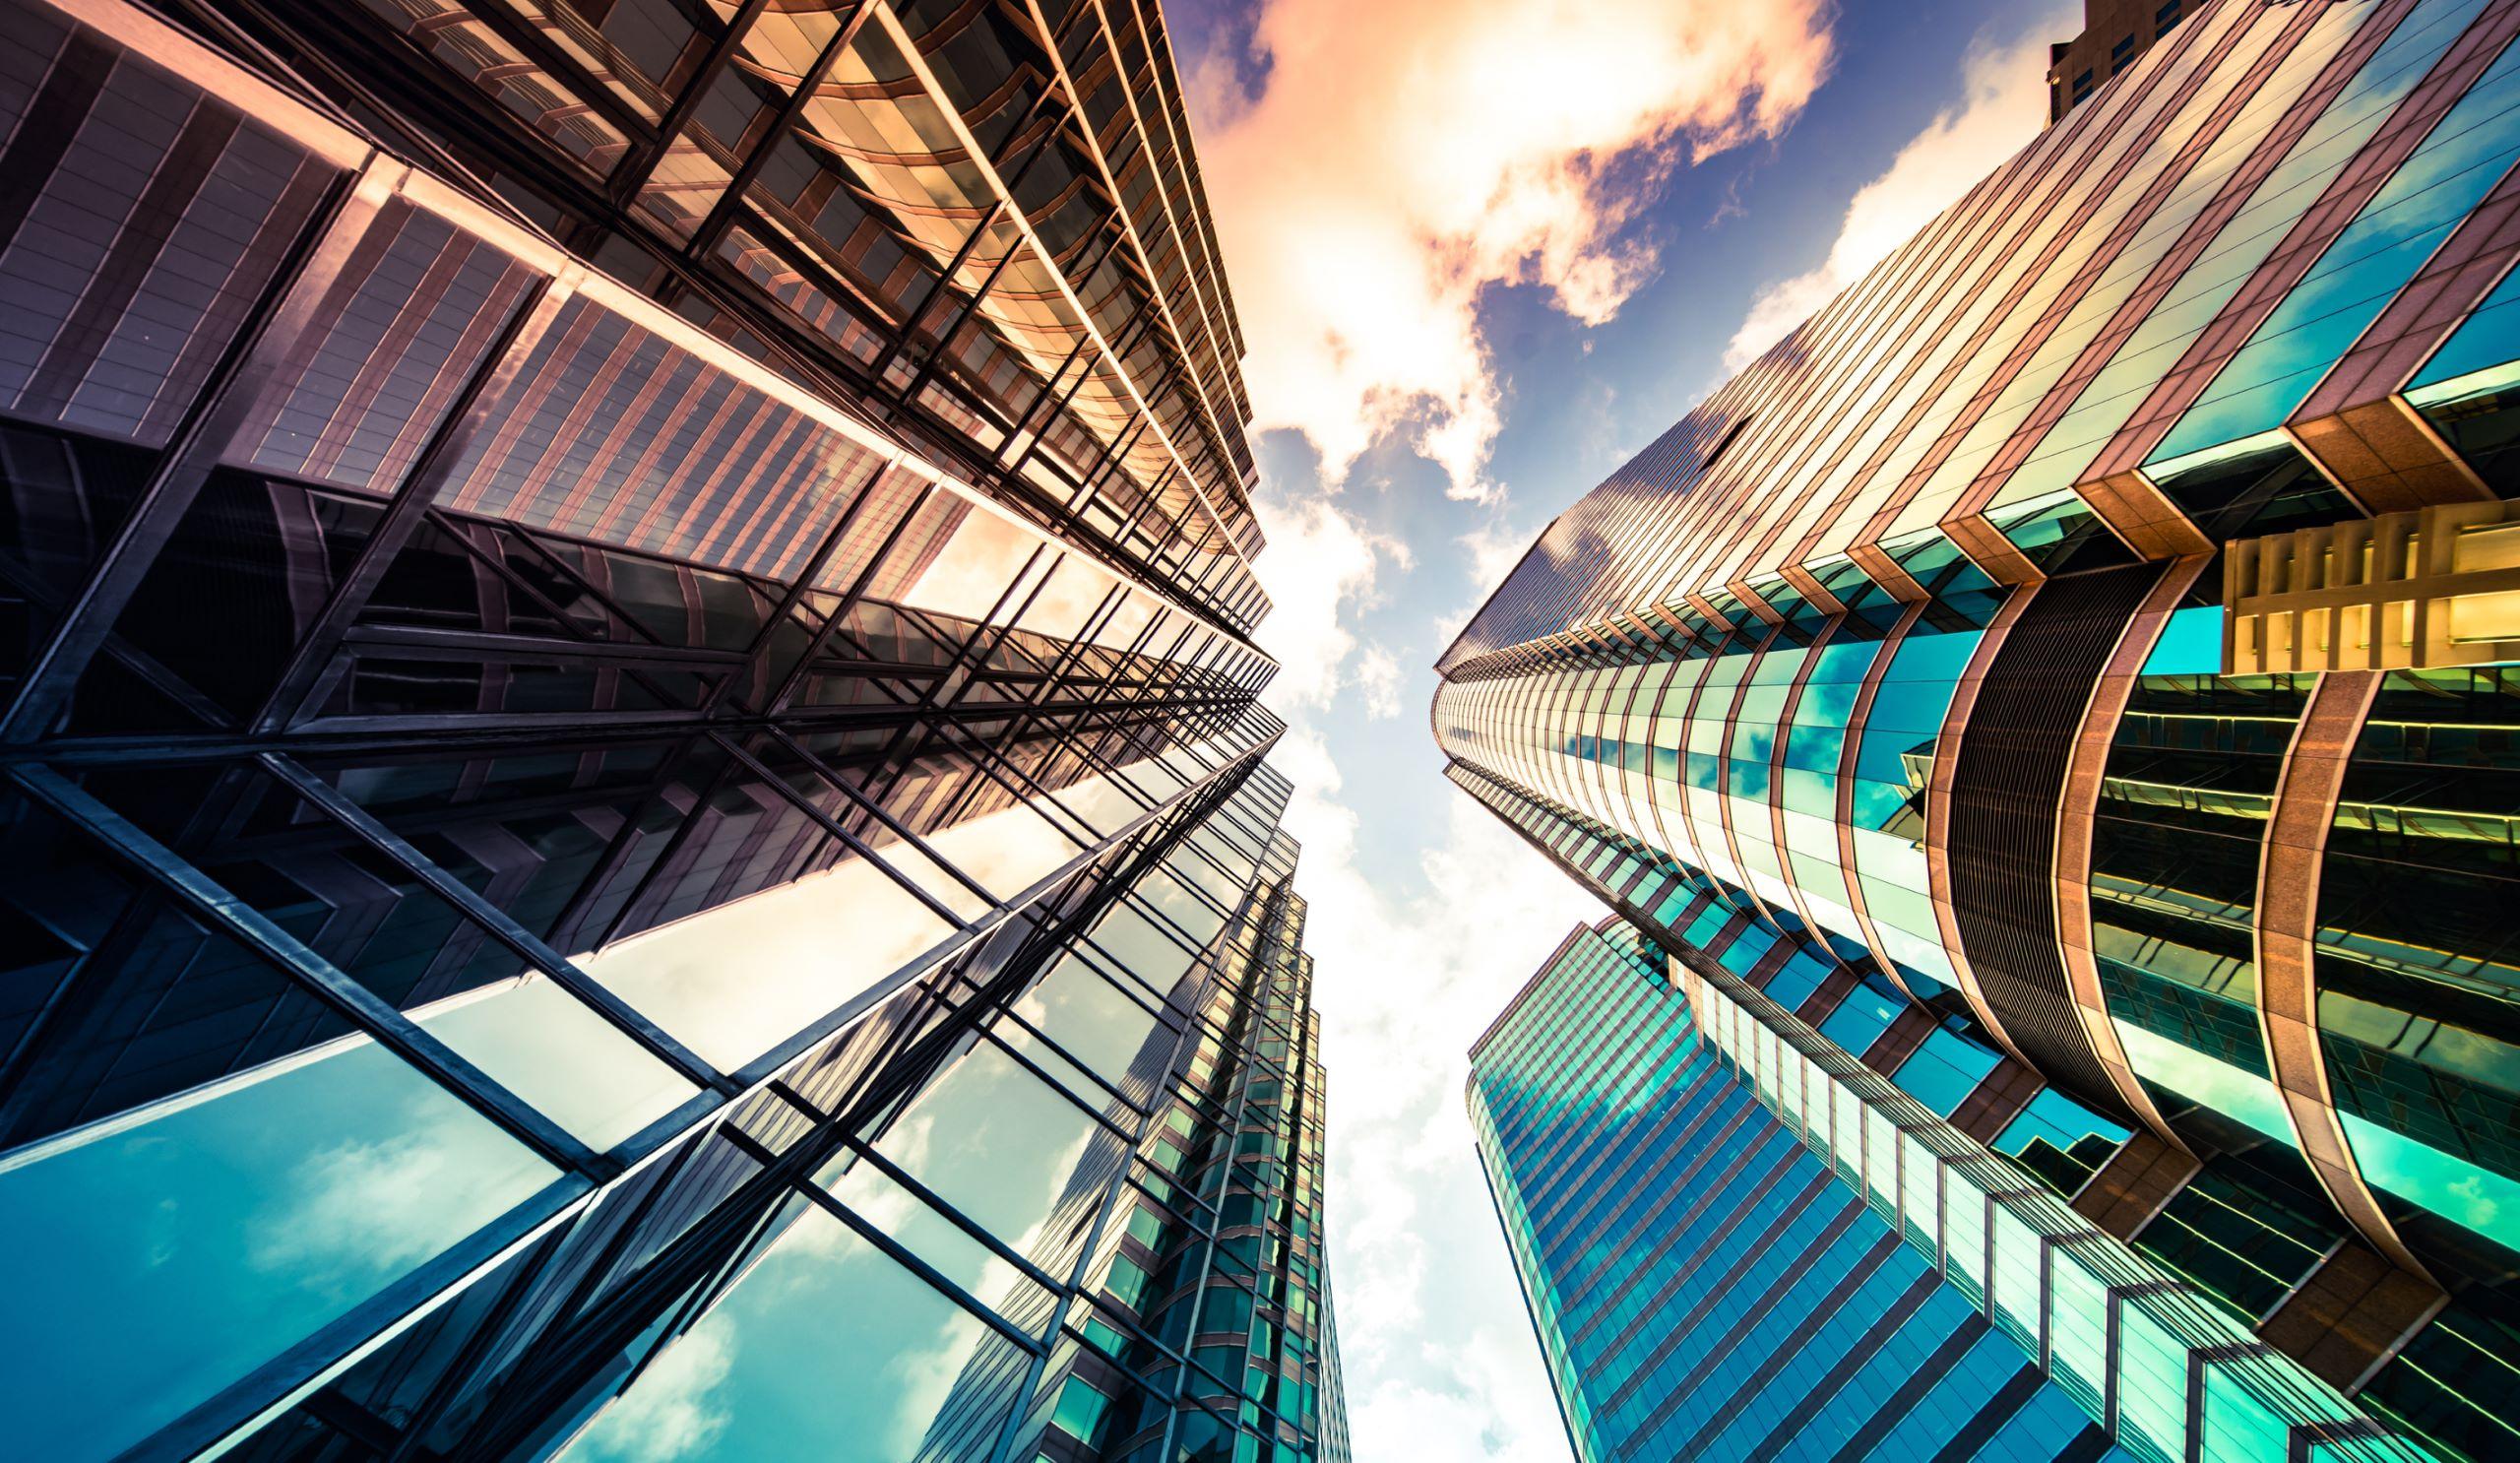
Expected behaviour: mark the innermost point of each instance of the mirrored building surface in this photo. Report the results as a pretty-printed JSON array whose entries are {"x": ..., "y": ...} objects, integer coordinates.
[
  {"x": 635, "y": 815},
  {"x": 2070, "y": 674},
  {"x": 1700, "y": 1285}
]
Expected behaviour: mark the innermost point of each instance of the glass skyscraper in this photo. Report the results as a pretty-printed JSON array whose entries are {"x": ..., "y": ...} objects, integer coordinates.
[
  {"x": 1702, "y": 1287},
  {"x": 635, "y": 812},
  {"x": 2071, "y": 677}
]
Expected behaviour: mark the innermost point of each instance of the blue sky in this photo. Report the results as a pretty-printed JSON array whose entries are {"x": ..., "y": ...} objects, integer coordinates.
[{"x": 1483, "y": 250}]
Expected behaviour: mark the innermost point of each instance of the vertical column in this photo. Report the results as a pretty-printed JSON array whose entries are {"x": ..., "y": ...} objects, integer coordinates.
[
  {"x": 2077, "y": 811},
  {"x": 2288, "y": 901}
]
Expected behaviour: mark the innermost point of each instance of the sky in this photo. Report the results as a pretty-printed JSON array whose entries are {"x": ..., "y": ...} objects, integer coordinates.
[{"x": 1482, "y": 251}]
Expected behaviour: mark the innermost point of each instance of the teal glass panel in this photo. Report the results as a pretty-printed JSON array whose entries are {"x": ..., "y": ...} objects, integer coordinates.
[
  {"x": 1796, "y": 980},
  {"x": 2418, "y": 962},
  {"x": 1861, "y": 1018},
  {"x": 2152, "y": 1387},
  {"x": 187, "y": 1245},
  {"x": 1095, "y": 1022},
  {"x": 1964, "y": 1240},
  {"x": 1894, "y": 761},
  {"x": 2060, "y": 1140},
  {"x": 2370, "y": 260},
  {"x": 2191, "y": 643},
  {"x": 1846, "y": 1132},
  {"x": 2241, "y": 1233},
  {"x": 1080, "y": 1409},
  {"x": 2487, "y": 339},
  {"x": 2017, "y": 1289},
  {"x": 824, "y": 1349},
  {"x": 2237, "y": 1423},
  {"x": 1881, "y": 1162},
  {"x": 2452, "y": 1385},
  {"x": 2061, "y": 535},
  {"x": 2077, "y": 1326},
  {"x": 2437, "y": 1182},
  {"x": 1942, "y": 1071},
  {"x": 1919, "y": 1194},
  {"x": 2175, "y": 848}
]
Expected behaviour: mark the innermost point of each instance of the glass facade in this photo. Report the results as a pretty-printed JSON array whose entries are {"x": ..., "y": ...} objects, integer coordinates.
[
  {"x": 1899, "y": 681},
  {"x": 2173, "y": 1376},
  {"x": 1670, "y": 1206},
  {"x": 1701, "y": 1287},
  {"x": 636, "y": 813}
]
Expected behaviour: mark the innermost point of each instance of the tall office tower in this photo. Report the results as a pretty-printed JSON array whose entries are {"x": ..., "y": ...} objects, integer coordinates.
[
  {"x": 2077, "y": 668},
  {"x": 634, "y": 808},
  {"x": 1700, "y": 1286},
  {"x": 2114, "y": 32}
]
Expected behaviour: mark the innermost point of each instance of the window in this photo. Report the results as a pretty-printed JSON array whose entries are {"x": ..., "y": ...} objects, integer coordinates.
[
  {"x": 2121, "y": 53},
  {"x": 1080, "y": 1408},
  {"x": 2082, "y": 83},
  {"x": 2165, "y": 18}
]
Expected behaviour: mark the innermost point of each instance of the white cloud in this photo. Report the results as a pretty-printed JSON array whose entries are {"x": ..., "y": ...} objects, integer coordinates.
[
  {"x": 672, "y": 1414},
  {"x": 1322, "y": 559},
  {"x": 1379, "y": 678},
  {"x": 878, "y": 1200},
  {"x": 356, "y": 1212},
  {"x": 1494, "y": 549},
  {"x": 1406, "y": 155},
  {"x": 1521, "y": 1424},
  {"x": 392, "y": 1178},
  {"x": 2003, "y": 104},
  {"x": 1408, "y": 972}
]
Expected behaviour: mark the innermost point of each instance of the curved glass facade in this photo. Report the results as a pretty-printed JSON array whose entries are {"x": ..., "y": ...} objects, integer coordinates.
[
  {"x": 1906, "y": 649},
  {"x": 2419, "y": 964},
  {"x": 2191, "y": 779}
]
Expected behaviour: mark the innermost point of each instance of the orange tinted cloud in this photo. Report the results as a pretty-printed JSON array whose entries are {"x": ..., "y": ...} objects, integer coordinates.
[{"x": 1403, "y": 154}]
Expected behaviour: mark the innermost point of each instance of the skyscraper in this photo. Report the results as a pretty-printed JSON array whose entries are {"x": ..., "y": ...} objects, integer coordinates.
[
  {"x": 2072, "y": 674},
  {"x": 635, "y": 809},
  {"x": 2114, "y": 32},
  {"x": 1701, "y": 1286}
]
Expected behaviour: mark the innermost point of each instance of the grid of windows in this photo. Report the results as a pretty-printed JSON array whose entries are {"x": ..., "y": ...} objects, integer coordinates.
[
  {"x": 2171, "y": 1374},
  {"x": 1700, "y": 1287},
  {"x": 984, "y": 227},
  {"x": 559, "y": 874},
  {"x": 1890, "y": 677}
]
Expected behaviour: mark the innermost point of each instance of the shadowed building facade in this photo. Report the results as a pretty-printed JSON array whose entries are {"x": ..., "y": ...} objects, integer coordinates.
[
  {"x": 2114, "y": 32},
  {"x": 2073, "y": 674},
  {"x": 1701, "y": 1287},
  {"x": 636, "y": 817}
]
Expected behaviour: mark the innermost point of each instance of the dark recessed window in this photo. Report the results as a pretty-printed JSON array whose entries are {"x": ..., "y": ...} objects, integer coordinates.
[
  {"x": 2082, "y": 85},
  {"x": 2121, "y": 53},
  {"x": 2165, "y": 18}
]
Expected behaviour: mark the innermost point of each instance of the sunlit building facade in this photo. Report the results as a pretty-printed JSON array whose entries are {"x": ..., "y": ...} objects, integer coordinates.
[
  {"x": 2073, "y": 673},
  {"x": 635, "y": 810}
]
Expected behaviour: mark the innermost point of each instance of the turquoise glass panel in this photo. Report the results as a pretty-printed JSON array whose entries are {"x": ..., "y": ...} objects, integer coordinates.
[
  {"x": 824, "y": 1348},
  {"x": 2490, "y": 336},
  {"x": 188, "y": 1247},
  {"x": 2368, "y": 263},
  {"x": 2191, "y": 643}
]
